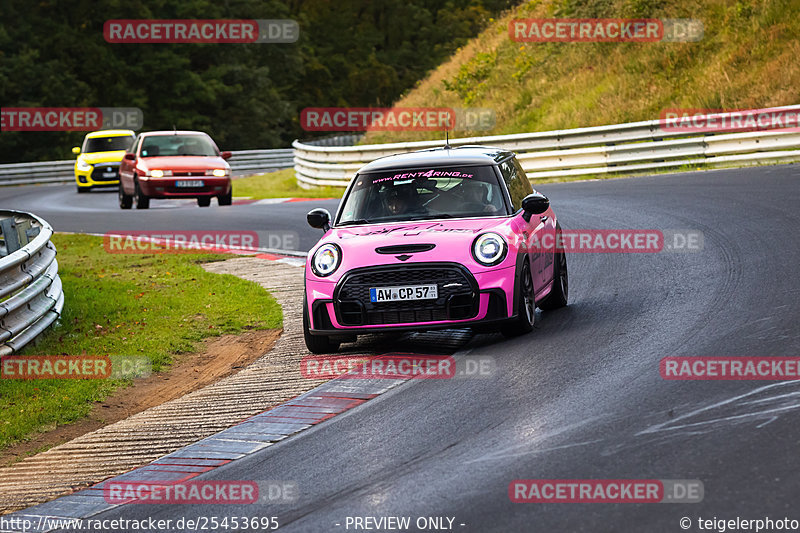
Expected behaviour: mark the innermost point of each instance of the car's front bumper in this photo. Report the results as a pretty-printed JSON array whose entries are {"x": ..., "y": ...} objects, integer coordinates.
[
  {"x": 100, "y": 175},
  {"x": 344, "y": 307},
  {"x": 166, "y": 188}
]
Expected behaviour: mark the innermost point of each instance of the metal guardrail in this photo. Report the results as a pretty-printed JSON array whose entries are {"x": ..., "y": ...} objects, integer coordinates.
[
  {"x": 248, "y": 162},
  {"x": 31, "y": 297},
  {"x": 618, "y": 148},
  {"x": 243, "y": 163}
]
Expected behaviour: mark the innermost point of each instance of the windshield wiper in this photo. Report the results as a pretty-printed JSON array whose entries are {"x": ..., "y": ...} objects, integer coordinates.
[
  {"x": 430, "y": 217},
  {"x": 354, "y": 222}
]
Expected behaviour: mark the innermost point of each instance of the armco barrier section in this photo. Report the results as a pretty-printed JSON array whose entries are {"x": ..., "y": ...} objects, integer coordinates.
[
  {"x": 31, "y": 297},
  {"x": 243, "y": 163},
  {"x": 618, "y": 148}
]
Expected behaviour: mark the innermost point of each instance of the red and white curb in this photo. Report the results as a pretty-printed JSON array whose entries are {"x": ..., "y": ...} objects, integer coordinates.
[{"x": 247, "y": 437}]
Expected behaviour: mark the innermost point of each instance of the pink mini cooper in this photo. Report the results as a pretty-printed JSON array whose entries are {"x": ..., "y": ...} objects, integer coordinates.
[{"x": 444, "y": 238}]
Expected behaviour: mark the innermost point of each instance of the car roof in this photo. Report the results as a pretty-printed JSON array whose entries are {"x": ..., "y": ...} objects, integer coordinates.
[
  {"x": 472, "y": 155},
  {"x": 110, "y": 133},
  {"x": 173, "y": 132}
]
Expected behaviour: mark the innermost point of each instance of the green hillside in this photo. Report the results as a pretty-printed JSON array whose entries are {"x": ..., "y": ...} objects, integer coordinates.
[{"x": 748, "y": 58}]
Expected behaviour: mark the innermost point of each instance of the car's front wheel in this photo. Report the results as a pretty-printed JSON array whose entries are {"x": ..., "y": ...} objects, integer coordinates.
[
  {"x": 125, "y": 200},
  {"x": 204, "y": 201},
  {"x": 226, "y": 199},
  {"x": 82, "y": 190},
  {"x": 526, "y": 306},
  {"x": 319, "y": 344},
  {"x": 142, "y": 201}
]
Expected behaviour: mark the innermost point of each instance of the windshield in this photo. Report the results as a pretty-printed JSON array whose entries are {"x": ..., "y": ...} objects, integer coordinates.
[
  {"x": 107, "y": 144},
  {"x": 167, "y": 145},
  {"x": 422, "y": 194}
]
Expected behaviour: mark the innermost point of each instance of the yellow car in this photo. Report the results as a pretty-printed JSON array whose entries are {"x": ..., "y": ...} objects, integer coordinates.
[{"x": 98, "y": 159}]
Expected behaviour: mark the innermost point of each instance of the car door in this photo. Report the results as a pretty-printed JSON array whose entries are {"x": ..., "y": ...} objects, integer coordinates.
[
  {"x": 532, "y": 230},
  {"x": 545, "y": 231}
]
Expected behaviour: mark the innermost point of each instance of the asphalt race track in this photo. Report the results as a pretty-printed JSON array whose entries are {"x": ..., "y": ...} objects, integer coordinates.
[
  {"x": 98, "y": 212},
  {"x": 581, "y": 397}
]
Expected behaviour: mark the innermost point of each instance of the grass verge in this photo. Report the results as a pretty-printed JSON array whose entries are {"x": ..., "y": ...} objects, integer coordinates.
[
  {"x": 746, "y": 59},
  {"x": 154, "y": 305},
  {"x": 280, "y": 184}
]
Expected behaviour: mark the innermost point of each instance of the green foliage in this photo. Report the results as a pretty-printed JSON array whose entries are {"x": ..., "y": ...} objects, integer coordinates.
[
  {"x": 472, "y": 76},
  {"x": 350, "y": 53},
  {"x": 281, "y": 184}
]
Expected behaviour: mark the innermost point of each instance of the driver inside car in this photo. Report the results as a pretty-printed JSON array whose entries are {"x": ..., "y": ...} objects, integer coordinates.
[
  {"x": 475, "y": 195},
  {"x": 404, "y": 200}
]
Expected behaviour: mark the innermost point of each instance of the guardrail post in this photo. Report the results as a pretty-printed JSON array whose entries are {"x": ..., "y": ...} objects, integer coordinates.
[{"x": 8, "y": 227}]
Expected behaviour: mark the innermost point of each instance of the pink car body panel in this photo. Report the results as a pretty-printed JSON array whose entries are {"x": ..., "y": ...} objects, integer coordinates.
[{"x": 453, "y": 240}]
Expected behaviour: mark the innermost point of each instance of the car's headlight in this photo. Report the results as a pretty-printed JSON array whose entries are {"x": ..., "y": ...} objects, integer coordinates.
[
  {"x": 159, "y": 173},
  {"x": 489, "y": 249},
  {"x": 83, "y": 166},
  {"x": 326, "y": 260},
  {"x": 217, "y": 172}
]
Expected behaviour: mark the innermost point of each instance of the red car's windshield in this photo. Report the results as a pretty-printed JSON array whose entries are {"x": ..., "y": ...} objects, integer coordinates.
[
  {"x": 425, "y": 193},
  {"x": 170, "y": 145}
]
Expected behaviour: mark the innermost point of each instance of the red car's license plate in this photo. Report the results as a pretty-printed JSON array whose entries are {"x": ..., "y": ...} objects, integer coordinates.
[{"x": 189, "y": 183}]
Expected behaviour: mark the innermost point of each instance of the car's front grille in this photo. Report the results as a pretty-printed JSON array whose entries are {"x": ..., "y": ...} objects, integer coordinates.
[
  {"x": 457, "y": 295},
  {"x": 103, "y": 171},
  {"x": 185, "y": 173}
]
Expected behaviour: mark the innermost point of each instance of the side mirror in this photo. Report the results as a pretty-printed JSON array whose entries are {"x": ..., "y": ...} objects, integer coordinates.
[
  {"x": 76, "y": 150},
  {"x": 319, "y": 218},
  {"x": 225, "y": 155},
  {"x": 130, "y": 157},
  {"x": 534, "y": 204}
]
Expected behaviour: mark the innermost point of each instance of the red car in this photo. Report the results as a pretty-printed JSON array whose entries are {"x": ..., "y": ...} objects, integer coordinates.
[{"x": 174, "y": 164}]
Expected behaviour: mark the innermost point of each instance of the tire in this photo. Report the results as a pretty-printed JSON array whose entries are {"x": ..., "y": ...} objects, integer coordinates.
[
  {"x": 125, "y": 200},
  {"x": 227, "y": 199},
  {"x": 82, "y": 190},
  {"x": 558, "y": 294},
  {"x": 526, "y": 306},
  {"x": 319, "y": 344},
  {"x": 204, "y": 201},
  {"x": 142, "y": 201}
]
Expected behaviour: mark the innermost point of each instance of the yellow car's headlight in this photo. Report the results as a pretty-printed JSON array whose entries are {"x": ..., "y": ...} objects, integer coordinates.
[{"x": 83, "y": 166}]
